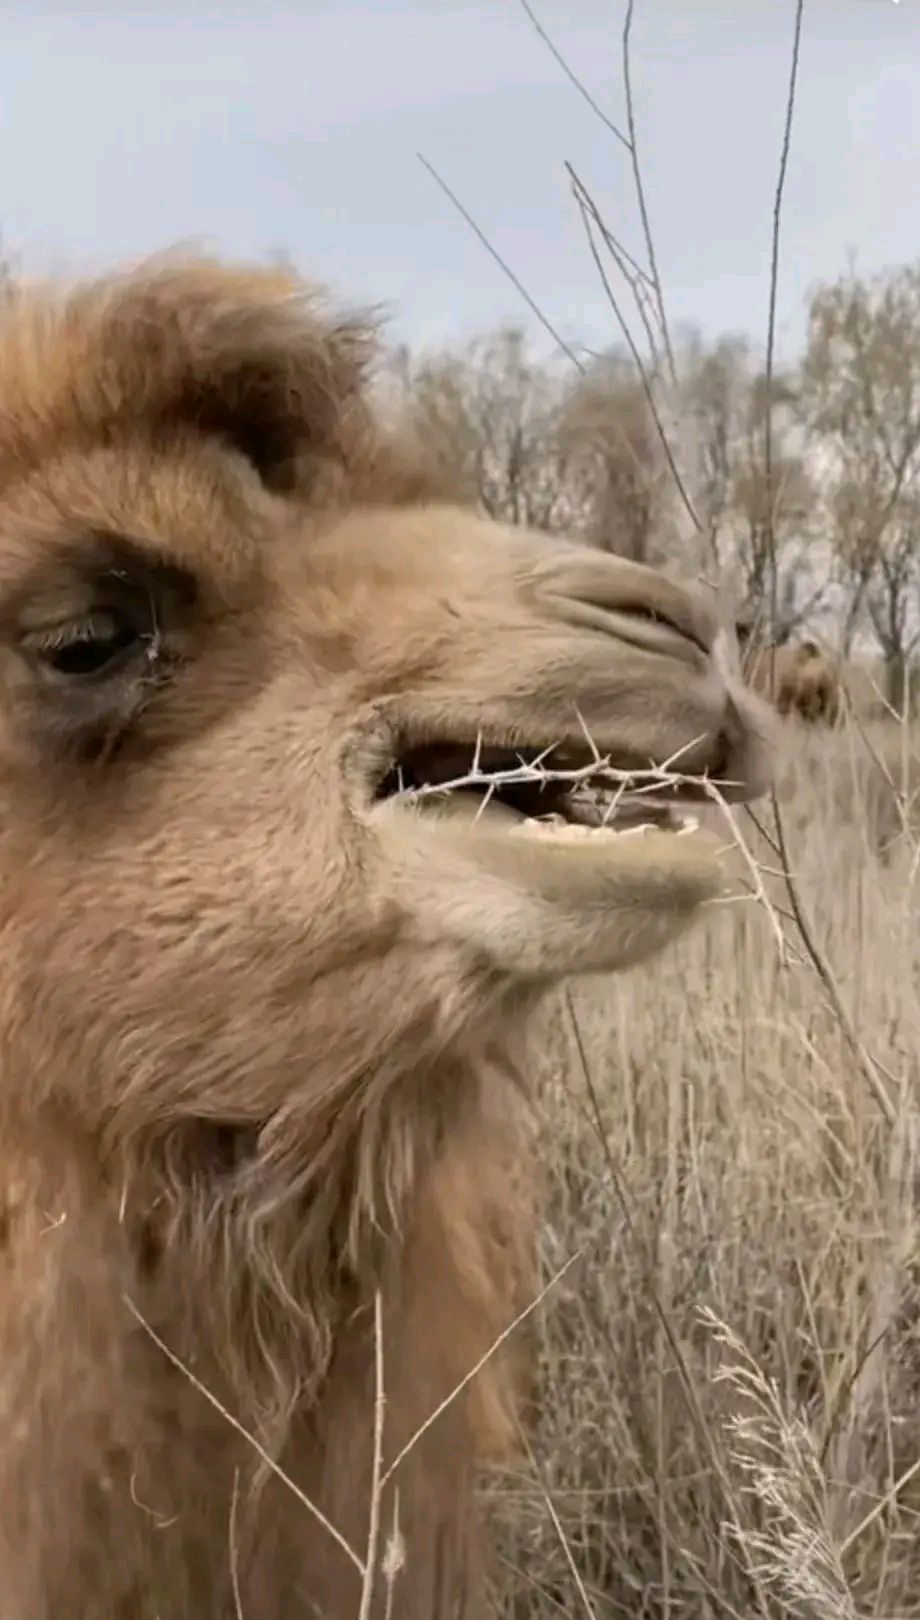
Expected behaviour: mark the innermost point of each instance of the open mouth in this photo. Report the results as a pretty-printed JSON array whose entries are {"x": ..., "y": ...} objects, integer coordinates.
[{"x": 555, "y": 791}]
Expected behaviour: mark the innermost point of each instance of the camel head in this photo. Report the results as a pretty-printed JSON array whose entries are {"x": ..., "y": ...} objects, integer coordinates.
[
  {"x": 257, "y": 973},
  {"x": 239, "y": 632}
]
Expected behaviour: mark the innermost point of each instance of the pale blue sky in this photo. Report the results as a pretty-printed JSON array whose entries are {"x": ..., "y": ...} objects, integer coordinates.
[{"x": 257, "y": 126}]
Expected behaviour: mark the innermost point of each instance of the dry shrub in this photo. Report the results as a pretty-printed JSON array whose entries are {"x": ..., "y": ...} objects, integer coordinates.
[{"x": 747, "y": 1448}]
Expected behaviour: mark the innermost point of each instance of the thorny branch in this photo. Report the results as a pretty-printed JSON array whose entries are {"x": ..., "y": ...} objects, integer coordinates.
[{"x": 645, "y": 782}]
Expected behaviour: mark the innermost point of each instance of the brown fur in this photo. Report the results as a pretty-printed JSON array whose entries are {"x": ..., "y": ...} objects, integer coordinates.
[
  {"x": 256, "y": 1063},
  {"x": 801, "y": 680}
]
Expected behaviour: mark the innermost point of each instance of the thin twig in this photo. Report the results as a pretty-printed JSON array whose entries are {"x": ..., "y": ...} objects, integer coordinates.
[
  {"x": 866, "y": 1064},
  {"x": 250, "y": 1439},
  {"x": 234, "y": 1549},
  {"x": 634, "y": 351},
  {"x": 557, "y": 1526},
  {"x": 640, "y": 193},
  {"x": 635, "y": 277},
  {"x": 572, "y": 77},
  {"x": 879, "y": 1508},
  {"x": 616, "y": 247},
  {"x": 495, "y": 1346},
  {"x": 503, "y": 265},
  {"x": 759, "y": 890},
  {"x": 373, "y": 1525},
  {"x": 771, "y": 314}
]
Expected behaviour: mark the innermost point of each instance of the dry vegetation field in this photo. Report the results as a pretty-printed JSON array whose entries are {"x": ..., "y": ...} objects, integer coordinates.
[{"x": 728, "y": 1417}]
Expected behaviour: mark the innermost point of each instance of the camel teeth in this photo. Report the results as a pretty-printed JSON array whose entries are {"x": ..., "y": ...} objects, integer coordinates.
[
  {"x": 553, "y": 826},
  {"x": 556, "y": 827}
]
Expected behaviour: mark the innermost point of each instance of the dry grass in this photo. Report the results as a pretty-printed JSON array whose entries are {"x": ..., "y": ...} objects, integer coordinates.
[{"x": 728, "y": 1420}]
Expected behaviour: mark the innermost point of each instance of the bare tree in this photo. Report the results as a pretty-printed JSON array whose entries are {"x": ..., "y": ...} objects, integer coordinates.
[
  {"x": 751, "y": 519},
  {"x": 861, "y": 390},
  {"x": 609, "y": 434},
  {"x": 559, "y": 450},
  {"x": 491, "y": 412}
]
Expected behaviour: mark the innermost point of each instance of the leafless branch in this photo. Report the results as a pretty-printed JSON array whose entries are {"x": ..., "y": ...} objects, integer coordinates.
[
  {"x": 373, "y": 1526},
  {"x": 632, "y": 273},
  {"x": 572, "y": 77},
  {"x": 502, "y": 264},
  {"x": 640, "y": 191},
  {"x": 258, "y": 1448},
  {"x": 586, "y": 209},
  {"x": 493, "y": 1349},
  {"x": 771, "y": 315},
  {"x": 234, "y": 1549},
  {"x": 864, "y": 1060},
  {"x": 759, "y": 892}
]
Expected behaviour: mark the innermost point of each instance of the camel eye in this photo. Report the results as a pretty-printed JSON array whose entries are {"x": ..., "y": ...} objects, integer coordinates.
[{"x": 87, "y": 646}]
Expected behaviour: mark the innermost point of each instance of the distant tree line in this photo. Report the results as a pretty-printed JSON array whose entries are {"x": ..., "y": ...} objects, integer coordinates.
[{"x": 538, "y": 442}]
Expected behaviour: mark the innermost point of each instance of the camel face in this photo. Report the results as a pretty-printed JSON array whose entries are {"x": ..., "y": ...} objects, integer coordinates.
[{"x": 217, "y": 689}]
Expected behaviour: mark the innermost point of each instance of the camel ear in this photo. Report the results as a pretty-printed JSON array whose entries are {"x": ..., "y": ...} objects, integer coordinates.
[{"x": 250, "y": 356}]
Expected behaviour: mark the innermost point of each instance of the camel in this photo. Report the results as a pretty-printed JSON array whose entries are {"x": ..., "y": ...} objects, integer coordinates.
[
  {"x": 799, "y": 678},
  {"x": 267, "y": 1199}
]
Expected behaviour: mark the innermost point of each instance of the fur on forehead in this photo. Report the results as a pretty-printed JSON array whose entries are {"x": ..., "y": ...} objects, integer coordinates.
[{"x": 254, "y": 357}]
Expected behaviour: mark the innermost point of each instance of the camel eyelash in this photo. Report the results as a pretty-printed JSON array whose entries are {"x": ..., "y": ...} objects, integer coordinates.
[
  {"x": 89, "y": 645},
  {"x": 93, "y": 627}
]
